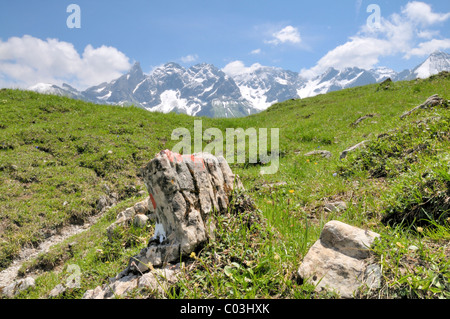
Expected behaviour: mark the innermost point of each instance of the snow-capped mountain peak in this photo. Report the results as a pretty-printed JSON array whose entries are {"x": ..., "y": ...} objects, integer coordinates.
[
  {"x": 205, "y": 90},
  {"x": 436, "y": 62}
]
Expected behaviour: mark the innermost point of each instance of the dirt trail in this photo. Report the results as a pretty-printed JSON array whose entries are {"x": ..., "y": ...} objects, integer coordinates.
[{"x": 8, "y": 275}]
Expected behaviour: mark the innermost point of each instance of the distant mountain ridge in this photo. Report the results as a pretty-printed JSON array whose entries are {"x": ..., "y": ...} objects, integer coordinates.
[{"x": 205, "y": 90}]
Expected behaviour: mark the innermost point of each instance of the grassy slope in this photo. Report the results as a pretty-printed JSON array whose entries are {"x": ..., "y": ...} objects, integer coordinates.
[{"x": 55, "y": 150}]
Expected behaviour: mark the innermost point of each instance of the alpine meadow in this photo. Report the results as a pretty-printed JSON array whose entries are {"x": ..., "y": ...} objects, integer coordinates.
[
  {"x": 224, "y": 158},
  {"x": 59, "y": 156}
]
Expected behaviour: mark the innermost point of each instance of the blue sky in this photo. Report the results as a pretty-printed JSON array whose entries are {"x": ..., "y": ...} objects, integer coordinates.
[{"x": 36, "y": 44}]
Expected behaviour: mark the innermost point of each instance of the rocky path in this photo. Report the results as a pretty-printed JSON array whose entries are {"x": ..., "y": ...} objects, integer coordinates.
[{"x": 8, "y": 275}]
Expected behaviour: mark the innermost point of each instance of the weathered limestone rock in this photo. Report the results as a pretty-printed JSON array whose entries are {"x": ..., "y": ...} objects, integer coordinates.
[
  {"x": 351, "y": 149},
  {"x": 335, "y": 206},
  {"x": 432, "y": 101},
  {"x": 338, "y": 261},
  {"x": 362, "y": 118},
  {"x": 323, "y": 153},
  {"x": 184, "y": 192},
  {"x": 139, "y": 214},
  {"x": 58, "y": 290},
  {"x": 158, "y": 280},
  {"x": 106, "y": 201},
  {"x": 17, "y": 286},
  {"x": 140, "y": 220}
]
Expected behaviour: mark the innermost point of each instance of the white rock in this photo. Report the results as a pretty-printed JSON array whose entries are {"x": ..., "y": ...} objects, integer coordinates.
[
  {"x": 336, "y": 206},
  {"x": 17, "y": 286},
  {"x": 338, "y": 260},
  {"x": 140, "y": 220},
  {"x": 184, "y": 190},
  {"x": 58, "y": 290},
  {"x": 323, "y": 153},
  {"x": 351, "y": 149}
]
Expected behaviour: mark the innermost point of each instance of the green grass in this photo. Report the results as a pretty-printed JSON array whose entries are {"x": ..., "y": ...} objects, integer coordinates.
[{"x": 56, "y": 155}]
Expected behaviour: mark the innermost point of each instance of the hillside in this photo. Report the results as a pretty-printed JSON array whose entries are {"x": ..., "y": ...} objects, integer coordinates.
[{"x": 58, "y": 156}]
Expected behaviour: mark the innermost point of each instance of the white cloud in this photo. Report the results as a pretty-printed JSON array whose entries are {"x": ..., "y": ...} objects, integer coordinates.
[
  {"x": 238, "y": 67},
  {"x": 288, "y": 34},
  {"x": 256, "y": 51},
  {"x": 400, "y": 34},
  {"x": 28, "y": 60},
  {"x": 422, "y": 13},
  {"x": 360, "y": 52},
  {"x": 426, "y": 48},
  {"x": 189, "y": 58},
  {"x": 427, "y": 34}
]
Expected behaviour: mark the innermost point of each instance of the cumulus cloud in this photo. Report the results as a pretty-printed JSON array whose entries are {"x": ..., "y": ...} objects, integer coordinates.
[
  {"x": 28, "y": 60},
  {"x": 189, "y": 58},
  {"x": 238, "y": 68},
  {"x": 422, "y": 13},
  {"x": 402, "y": 33},
  {"x": 425, "y": 48},
  {"x": 361, "y": 52},
  {"x": 288, "y": 34}
]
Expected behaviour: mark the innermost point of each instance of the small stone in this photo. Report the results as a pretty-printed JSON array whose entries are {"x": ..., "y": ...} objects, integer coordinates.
[
  {"x": 16, "y": 287},
  {"x": 142, "y": 207},
  {"x": 373, "y": 276},
  {"x": 323, "y": 153},
  {"x": 58, "y": 290},
  {"x": 351, "y": 149},
  {"x": 336, "y": 206},
  {"x": 272, "y": 185},
  {"x": 142, "y": 193},
  {"x": 140, "y": 220},
  {"x": 127, "y": 214},
  {"x": 413, "y": 248},
  {"x": 103, "y": 202},
  {"x": 107, "y": 189}
]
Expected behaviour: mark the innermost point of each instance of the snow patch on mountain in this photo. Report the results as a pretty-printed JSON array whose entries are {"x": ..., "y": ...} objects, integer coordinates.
[
  {"x": 436, "y": 62},
  {"x": 170, "y": 100}
]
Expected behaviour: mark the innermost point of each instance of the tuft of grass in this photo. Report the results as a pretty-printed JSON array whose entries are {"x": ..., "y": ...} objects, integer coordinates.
[{"x": 414, "y": 265}]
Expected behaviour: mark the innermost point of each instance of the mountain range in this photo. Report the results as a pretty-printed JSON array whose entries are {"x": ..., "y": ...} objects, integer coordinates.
[{"x": 205, "y": 90}]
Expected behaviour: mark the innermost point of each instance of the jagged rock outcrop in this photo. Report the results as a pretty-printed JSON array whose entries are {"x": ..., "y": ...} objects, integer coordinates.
[
  {"x": 138, "y": 214},
  {"x": 339, "y": 260},
  {"x": 351, "y": 149},
  {"x": 432, "y": 101},
  {"x": 157, "y": 280},
  {"x": 17, "y": 286},
  {"x": 184, "y": 193}
]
